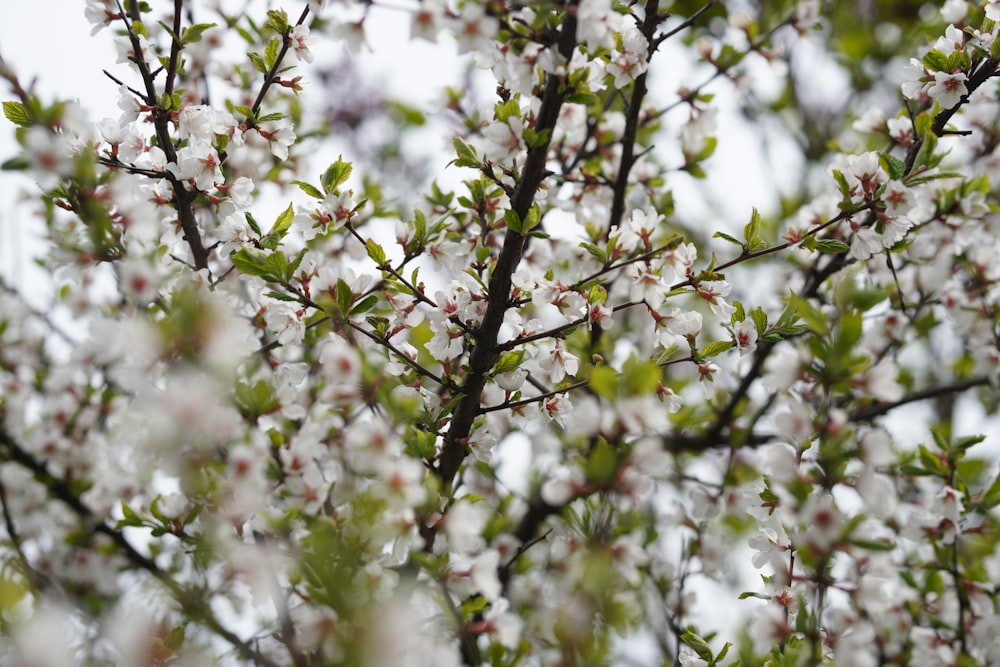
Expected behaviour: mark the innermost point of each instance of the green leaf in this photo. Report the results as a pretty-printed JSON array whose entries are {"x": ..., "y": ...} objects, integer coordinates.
[
  {"x": 364, "y": 305},
  {"x": 466, "y": 154},
  {"x": 848, "y": 332},
  {"x": 739, "y": 314},
  {"x": 17, "y": 113},
  {"x": 276, "y": 115},
  {"x": 276, "y": 265},
  {"x": 271, "y": 52},
  {"x": 533, "y": 219},
  {"x": 602, "y": 464},
  {"x": 252, "y": 223},
  {"x": 250, "y": 262},
  {"x": 15, "y": 164},
  {"x": 513, "y": 221},
  {"x": 727, "y": 237},
  {"x": 310, "y": 190},
  {"x": 595, "y": 251},
  {"x": 254, "y": 400},
  {"x": 504, "y": 110},
  {"x": 281, "y": 296},
  {"x": 699, "y": 645},
  {"x": 845, "y": 189},
  {"x": 508, "y": 361},
  {"x": 272, "y": 239},
  {"x": 874, "y": 545},
  {"x": 175, "y": 638},
  {"x": 751, "y": 232},
  {"x": 931, "y": 461},
  {"x": 641, "y": 378},
  {"x": 832, "y": 246},
  {"x": 258, "y": 63},
  {"x": 277, "y": 20},
  {"x": 935, "y": 60},
  {"x": 336, "y": 175},
  {"x": 750, "y": 594},
  {"x": 344, "y": 295},
  {"x": 375, "y": 251},
  {"x": 604, "y": 381},
  {"x": 534, "y": 138},
  {"x": 810, "y": 315},
  {"x": 131, "y": 517},
  {"x": 716, "y": 348},
  {"x": 893, "y": 166},
  {"x": 759, "y": 318},
  {"x": 991, "y": 497},
  {"x": 965, "y": 442},
  {"x": 194, "y": 33}
]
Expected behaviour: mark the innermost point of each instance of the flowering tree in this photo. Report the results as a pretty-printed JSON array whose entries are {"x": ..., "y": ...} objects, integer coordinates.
[{"x": 242, "y": 441}]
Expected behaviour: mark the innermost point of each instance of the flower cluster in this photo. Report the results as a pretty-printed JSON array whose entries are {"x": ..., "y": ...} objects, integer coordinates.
[{"x": 531, "y": 413}]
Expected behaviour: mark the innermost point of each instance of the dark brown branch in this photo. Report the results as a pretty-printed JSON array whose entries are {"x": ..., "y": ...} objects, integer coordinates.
[
  {"x": 881, "y": 408},
  {"x": 272, "y": 74},
  {"x": 175, "y": 49},
  {"x": 183, "y": 198},
  {"x": 485, "y": 351},
  {"x": 628, "y": 159}
]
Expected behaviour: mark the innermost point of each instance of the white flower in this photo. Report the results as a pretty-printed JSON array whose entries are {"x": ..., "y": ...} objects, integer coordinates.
[
  {"x": 503, "y": 624},
  {"x": 872, "y": 120},
  {"x": 864, "y": 172},
  {"x": 768, "y": 627},
  {"x": 100, "y": 13},
  {"x": 475, "y": 30},
  {"x": 806, "y": 14},
  {"x": 503, "y": 139},
  {"x": 647, "y": 285},
  {"x": 463, "y": 526},
  {"x": 138, "y": 279},
  {"x": 317, "y": 6},
  {"x": 952, "y": 40},
  {"x": 427, "y": 20},
  {"x": 300, "y": 42},
  {"x": 879, "y": 382},
  {"x": 914, "y": 79},
  {"x": 512, "y": 380},
  {"x": 678, "y": 324},
  {"x": 341, "y": 363},
  {"x": 954, "y": 11},
  {"x": 447, "y": 343},
  {"x": 712, "y": 291},
  {"x": 901, "y": 130},
  {"x": 948, "y": 89},
  {"x": 638, "y": 230},
  {"x": 688, "y": 658},
  {"x": 557, "y": 362},
  {"x": 285, "y": 320},
  {"x": 199, "y": 162},
  {"x": 745, "y": 336},
  {"x": 631, "y": 62},
  {"x": 483, "y": 574},
  {"x": 866, "y": 242},
  {"x": 50, "y": 154}
]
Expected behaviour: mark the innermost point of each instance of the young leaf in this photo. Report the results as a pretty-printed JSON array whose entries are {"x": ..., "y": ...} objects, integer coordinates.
[
  {"x": 194, "y": 33},
  {"x": 336, "y": 175},
  {"x": 17, "y": 113}
]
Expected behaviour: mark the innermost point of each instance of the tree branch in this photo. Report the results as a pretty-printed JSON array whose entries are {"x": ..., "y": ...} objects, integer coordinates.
[{"x": 485, "y": 351}]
